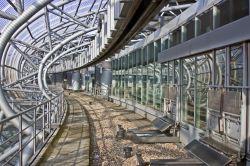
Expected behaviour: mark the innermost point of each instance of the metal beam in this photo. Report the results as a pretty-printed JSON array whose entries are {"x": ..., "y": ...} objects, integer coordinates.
[
  {"x": 11, "y": 68},
  {"x": 12, "y": 4},
  {"x": 62, "y": 13},
  {"x": 44, "y": 60},
  {"x": 92, "y": 5},
  {"x": 30, "y": 32},
  {"x": 178, "y": 7},
  {"x": 46, "y": 15},
  {"x": 7, "y": 16},
  {"x": 4, "y": 39},
  {"x": 70, "y": 16},
  {"x": 21, "y": 79},
  {"x": 62, "y": 16},
  {"x": 19, "y": 6},
  {"x": 57, "y": 35},
  {"x": 93, "y": 21},
  {"x": 26, "y": 57},
  {"x": 80, "y": 1},
  {"x": 21, "y": 90},
  {"x": 58, "y": 57},
  {"x": 29, "y": 45}
]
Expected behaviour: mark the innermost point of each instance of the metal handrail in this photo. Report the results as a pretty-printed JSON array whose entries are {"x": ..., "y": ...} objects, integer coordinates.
[
  {"x": 52, "y": 112},
  {"x": 25, "y": 111}
]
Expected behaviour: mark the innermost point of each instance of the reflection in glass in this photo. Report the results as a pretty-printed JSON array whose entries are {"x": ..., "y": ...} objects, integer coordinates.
[
  {"x": 144, "y": 85},
  {"x": 157, "y": 87},
  {"x": 219, "y": 67},
  {"x": 150, "y": 82},
  {"x": 236, "y": 66},
  {"x": 164, "y": 80},
  {"x": 203, "y": 79},
  {"x": 188, "y": 86}
]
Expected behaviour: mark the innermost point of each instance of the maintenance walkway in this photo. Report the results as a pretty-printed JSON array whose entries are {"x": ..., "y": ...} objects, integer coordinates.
[
  {"x": 70, "y": 146},
  {"x": 88, "y": 136}
]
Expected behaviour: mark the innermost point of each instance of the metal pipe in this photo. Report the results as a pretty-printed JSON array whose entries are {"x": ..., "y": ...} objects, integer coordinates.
[
  {"x": 12, "y": 150},
  {"x": 178, "y": 7},
  {"x": 52, "y": 52},
  {"x": 58, "y": 57},
  {"x": 4, "y": 39},
  {"x": 7, "y": 16}
]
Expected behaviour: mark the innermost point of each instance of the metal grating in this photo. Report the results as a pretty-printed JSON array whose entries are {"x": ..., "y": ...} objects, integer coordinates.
[
  {"x": 214, "y": 99},
  {"x": 163, "y": 124},
  {"x": 232, "y": 102},
  {"x": 206, "y": 154},
  {"x": 172, "y": 93},
  {"x": 170, "y": 162}
]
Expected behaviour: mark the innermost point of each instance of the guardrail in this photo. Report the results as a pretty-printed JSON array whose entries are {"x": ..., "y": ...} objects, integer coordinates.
[
  {"x": 101, "y": 90},
  {"x": 20, "y": 145}
]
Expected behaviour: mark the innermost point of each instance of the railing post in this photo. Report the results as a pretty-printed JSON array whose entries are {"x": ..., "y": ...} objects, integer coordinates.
[
  {"x": 34, "y": 131},
  {"x": 62, "y": 109},
  {"x": 43, "y": 122},
  {"x": 59, "y": 109},
  {"x": 20, "y": 141},
  {"x": 49, "y": 115},
  {"x": 56, "y": 111}
]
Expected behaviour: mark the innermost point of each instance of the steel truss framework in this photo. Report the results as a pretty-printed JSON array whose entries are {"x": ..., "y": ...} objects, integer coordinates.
[{"x": 38, "y": 37}]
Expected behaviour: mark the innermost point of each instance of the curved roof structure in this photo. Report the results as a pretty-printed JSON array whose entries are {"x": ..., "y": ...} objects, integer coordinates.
[{"x": 44, "y": 36}]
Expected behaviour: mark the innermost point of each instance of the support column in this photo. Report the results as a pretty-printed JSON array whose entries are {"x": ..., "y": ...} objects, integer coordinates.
[
  {"x": 106, "y": 77},
  {"x": 76, "y": 80}
]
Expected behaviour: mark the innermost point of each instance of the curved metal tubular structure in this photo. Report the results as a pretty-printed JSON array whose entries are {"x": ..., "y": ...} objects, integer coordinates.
[
  {"x": 5, "y": 38},
  {"x": 53, "y": 36},
  {"x": 46, "y": 57}
]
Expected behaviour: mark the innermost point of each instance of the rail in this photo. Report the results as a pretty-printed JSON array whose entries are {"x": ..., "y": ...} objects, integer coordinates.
[{"x": 21, "y": 145}]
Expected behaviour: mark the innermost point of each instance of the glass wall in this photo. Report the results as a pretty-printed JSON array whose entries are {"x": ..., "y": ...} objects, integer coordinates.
[
  {"x": 157, "y": 77},
  {"x": 140, "y": 78},
  {"x": 196, "y": 76},
  {"x": 236, "y": 66},
  {"x": 150, "y": 75},
  {"x": 220, "y": 67},
  {"x": 219, "y": 15},
  {"x": 188, "y": 85},
  {"x": 203, "y": 78}
]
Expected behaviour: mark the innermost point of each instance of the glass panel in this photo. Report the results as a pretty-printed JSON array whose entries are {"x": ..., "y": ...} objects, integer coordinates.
[
  {"x": 220, "y": 67},
  {"x": 150, "y": 82},
  {"x": 130, "y": 84},
  {"x": 157, "y": 87},
  {"x": 203, "y": 79},
  {"x": 166, "y": 46},
  {"x": 164, "y": 80},
  {"x": 144, "y": 85},
  {"x": 144, "y": 56},
  {"x": 231, "y": 10},
  {"x": 157, "y": 49},
  {"x": 138, "y": 76},
  {"x": 134, "y": 83},
  {"x": 190, "y": 29},
  {"x": 138, "y": 84},
  {"x": 114, "y": 83},
  {"x": 188, "y": 85},
  {"x": 151, "y": 53},
  {"x": 176, "y": 72},
  {"x": 236, "y": 66},
  {"x": 171, "y": 72},
  {"x": 157, "y": 77},
  {"x": 175, "y": 37},
  {"x": 205, "y": 22}
]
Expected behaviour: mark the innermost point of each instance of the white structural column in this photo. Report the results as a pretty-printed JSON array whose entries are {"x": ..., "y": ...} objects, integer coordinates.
[
  {"x": 106, "y": 76},
  {"x": 76, "y": 81}
]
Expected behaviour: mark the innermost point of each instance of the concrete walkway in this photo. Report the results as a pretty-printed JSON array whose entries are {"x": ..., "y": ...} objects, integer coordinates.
[{"x": 71, "y": 145}]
